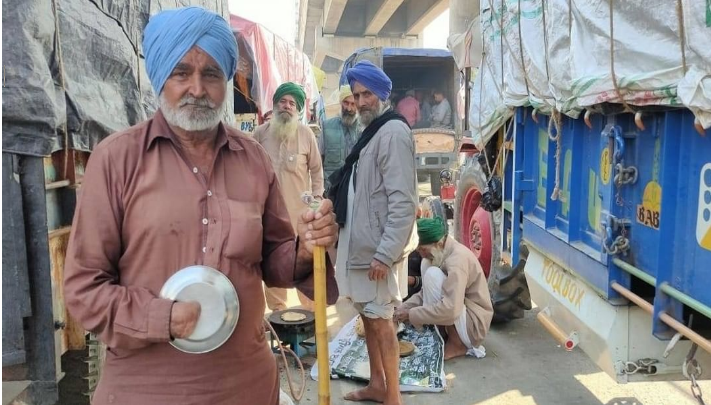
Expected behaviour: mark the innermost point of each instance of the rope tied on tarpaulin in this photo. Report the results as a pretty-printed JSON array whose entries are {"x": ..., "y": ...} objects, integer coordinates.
[{"x": 555, "y": 121}]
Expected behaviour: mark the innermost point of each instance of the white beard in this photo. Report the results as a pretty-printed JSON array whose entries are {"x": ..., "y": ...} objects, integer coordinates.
[
  {"x": 348, "y": 120},
  {"x": 437, "y": 257},
  {"x": 189, "y": 117},
  {"x": 284, "y": 127},
  {"x": 367, "y": 117}
]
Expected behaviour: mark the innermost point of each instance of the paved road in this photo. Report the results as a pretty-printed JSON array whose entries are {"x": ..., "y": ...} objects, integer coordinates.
[{"x": 524, "y": 366}]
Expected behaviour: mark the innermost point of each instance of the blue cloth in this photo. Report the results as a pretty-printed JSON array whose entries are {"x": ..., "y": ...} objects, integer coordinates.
[
  {"x": 372, "y": 77},
  {"x": 170, "y": 34}
]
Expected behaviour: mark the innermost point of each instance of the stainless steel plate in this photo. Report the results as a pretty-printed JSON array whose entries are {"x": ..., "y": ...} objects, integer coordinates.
[{"x": 219, "y": 306}]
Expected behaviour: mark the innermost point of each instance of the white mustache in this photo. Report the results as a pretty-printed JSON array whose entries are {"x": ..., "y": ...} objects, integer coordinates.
[{"x": 199, "y": 102}]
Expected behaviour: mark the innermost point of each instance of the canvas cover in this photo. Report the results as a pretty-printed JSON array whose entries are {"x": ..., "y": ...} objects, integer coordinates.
[{"x": 563, "y": 55}]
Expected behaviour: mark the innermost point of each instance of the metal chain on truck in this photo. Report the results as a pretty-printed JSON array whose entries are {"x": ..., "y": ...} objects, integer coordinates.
[
  {"x": 644, "y": 366},
  {"x": 625, "y": 175},
  {"x": 616, "y": 245},
  {"x": 555, "y": 121},
  {"x": 692, "y": 371}
]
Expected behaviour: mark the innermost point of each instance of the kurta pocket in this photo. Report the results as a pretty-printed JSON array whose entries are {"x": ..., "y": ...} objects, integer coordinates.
[{"x": 244, "y": 242}]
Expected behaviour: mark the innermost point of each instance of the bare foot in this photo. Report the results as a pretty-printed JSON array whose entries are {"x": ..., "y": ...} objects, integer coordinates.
[
  {"x": 452, "y": 351},
  {"x": 369, "y": 393}
]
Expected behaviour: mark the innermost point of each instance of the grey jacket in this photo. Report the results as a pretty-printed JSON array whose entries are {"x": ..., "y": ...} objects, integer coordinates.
[{"x": 385, "y": 203}]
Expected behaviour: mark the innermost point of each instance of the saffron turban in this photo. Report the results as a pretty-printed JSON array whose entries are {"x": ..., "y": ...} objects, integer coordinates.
[
  {"x": 171, "y": 34},
  {"x": 344, "y": 92},
  {"x": 430, "y": 230},
  {"x": 372, "y": 77},
  {"x": 292, "y": 89}
]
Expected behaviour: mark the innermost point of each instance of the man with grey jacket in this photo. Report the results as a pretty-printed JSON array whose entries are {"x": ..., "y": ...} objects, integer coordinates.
[{"x": 375, "y": 200}]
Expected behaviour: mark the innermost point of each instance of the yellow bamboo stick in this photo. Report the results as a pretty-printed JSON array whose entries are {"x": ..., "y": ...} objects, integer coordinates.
[{"x": 324, "y": 369}]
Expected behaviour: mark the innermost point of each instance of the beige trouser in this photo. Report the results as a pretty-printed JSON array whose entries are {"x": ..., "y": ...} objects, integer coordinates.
[{"x": 276, "y": 299}]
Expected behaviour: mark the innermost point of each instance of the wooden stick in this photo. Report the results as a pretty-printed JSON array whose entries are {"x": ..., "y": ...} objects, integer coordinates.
[{"x": 322, "y": 356}]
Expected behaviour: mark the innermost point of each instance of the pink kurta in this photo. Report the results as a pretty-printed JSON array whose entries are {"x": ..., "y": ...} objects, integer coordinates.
[{"x": 144, "y": 213}]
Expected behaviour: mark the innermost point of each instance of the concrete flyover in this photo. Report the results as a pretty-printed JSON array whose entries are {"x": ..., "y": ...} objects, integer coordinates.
[{"x": 330, "y": 30}]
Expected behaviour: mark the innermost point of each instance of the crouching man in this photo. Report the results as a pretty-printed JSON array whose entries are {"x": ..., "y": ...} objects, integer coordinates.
[{"x": 454, "y": 295}]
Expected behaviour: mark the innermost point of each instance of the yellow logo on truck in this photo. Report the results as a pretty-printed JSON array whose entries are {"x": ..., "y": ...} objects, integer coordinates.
[
  {"x": 703, "y": 221},
  {"x": 650, "y": 210},
  {"x": 605, "y": 166}
]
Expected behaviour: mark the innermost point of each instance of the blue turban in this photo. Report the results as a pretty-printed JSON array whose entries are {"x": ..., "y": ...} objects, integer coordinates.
[
  {"x": 372, "y": 77},
  {"x": 170, "y": 34}
]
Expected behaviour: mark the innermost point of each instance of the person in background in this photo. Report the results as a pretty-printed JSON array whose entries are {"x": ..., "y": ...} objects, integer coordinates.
[
  {"x": 375, "y": 196},
  {"x": 339, "y": 134},
  {"x": 177, "y": 190},
  {"x": 455, "y": 293},
  {"x": 267, "y": 116},
  {"x": 409, "y": 108},
  {"x": 414, "y": 274},
  {"x": 425, "y": 109},
  {"x": 394, "y": 98},
  {"x": 441, "y": 111},
  {"x": 296, "y": 161}
]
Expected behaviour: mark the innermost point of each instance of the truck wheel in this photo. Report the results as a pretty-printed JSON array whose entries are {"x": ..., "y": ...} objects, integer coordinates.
[
  {"x": 509, "y": 290},
  {"x": 433, "y": 207},
  {"x": 473, "y": 225},
  {"x": 479, "y": 230}
]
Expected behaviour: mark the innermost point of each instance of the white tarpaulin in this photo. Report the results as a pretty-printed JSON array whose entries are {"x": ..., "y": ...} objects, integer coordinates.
[
  {"x": 466, "y": 47},
  {"x": 569, "y": 55}
]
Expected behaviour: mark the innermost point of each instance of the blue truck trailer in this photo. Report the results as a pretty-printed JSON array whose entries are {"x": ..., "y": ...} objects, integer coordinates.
[
  {"x": 585, "y": 180},
  {"x": 616, "y": 218}
]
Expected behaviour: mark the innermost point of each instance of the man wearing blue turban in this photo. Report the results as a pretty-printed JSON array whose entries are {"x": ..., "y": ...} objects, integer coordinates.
[
  {"x": 375, "y": 197},
  {"x": 180, "y": 190}
]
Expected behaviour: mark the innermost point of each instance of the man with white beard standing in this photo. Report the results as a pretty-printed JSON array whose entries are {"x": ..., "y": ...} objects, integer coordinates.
[
  {"x": 375, "y": 199},
  {"x": 177, "y": 190},
  {"x": 454, "y": 294},
  {"x": 296, "y": 160},
  {"x": 339, "y": 134}
]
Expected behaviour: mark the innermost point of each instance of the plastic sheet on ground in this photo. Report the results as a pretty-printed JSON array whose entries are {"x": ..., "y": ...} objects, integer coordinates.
[
  {"x": 97, "y": 87},
  {"x": 563, "y": 55},
  {"x": 423, "y": 371}
]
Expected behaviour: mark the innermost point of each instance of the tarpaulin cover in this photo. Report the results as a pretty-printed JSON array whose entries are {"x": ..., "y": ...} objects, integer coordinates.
[
  {"x": 78, "y": 67},
  {"x": 271, "y": 61},
  {"x": 558, "y": 55},
  {"x": 466, "y": 47}
]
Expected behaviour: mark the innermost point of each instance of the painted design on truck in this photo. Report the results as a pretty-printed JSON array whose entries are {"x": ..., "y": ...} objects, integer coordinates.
[
  {"x": 703, "y": 221},
  {"x": 605, "y": 166},
  {"x": 542, "y": 168},
  {"x": 594, "y": 202},
  {"x": 565, "y": 189},
  {"x": 650, "y": 211},
  {"x": 562, "y": 284}
]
